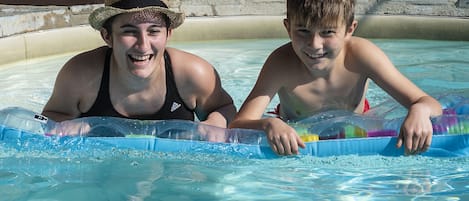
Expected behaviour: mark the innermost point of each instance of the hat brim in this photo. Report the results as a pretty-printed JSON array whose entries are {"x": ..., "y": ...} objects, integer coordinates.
[{"x": 100, "y": 15}]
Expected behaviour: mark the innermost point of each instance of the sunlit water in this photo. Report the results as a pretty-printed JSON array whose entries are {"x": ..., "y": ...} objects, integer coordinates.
[{"x": 66, "y": 173}]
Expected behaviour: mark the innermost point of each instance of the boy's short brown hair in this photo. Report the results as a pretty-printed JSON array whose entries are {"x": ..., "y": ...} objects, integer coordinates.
[{"x": 325, "y": 13}]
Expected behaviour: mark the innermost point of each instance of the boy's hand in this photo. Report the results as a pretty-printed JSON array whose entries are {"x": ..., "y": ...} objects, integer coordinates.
[
  {"x": 416, "y": 131},
  {"x": 282, "y": 138}
]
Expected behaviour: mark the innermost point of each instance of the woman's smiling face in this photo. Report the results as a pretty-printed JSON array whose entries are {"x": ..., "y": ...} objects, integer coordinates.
[{"x": 138, "y": 41}]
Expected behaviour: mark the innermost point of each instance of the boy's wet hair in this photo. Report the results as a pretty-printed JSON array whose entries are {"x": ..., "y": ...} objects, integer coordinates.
[{"x": 322, "y": 13}]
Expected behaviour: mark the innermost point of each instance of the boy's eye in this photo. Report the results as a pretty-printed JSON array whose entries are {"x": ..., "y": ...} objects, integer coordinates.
[
  {"x": 304, "y": 31},
  {"x": 328, "y": 32}
]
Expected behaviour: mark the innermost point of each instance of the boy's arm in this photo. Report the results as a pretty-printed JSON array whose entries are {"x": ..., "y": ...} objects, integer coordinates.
[
  {"x": 281, "y": 137},
  {"x": 266, "y": 87},
  {"x": 416, "y": 131}
]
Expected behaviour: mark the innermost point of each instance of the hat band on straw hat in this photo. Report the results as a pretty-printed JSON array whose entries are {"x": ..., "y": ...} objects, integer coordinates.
[
  {"x": 129, "y": 4},
  {"x": 115, "y": 7}
]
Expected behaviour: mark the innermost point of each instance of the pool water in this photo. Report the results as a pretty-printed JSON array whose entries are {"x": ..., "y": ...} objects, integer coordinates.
[{"x": 68, "y": 173}]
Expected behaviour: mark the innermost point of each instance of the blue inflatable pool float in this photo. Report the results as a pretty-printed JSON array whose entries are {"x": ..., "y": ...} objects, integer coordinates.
[{"x": 339, "y": 133}]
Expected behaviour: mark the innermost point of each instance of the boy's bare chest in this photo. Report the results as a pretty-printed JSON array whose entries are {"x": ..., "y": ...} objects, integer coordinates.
[{"x": 309, "y": 98}]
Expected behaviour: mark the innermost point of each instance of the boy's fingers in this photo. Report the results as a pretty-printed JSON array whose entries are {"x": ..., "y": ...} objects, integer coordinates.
[
  {"x": 400, "y": 139},
  {"x": 422, "y": 142},
  {"x": 294, "y": 142},
  {"x": 273, "y": 147},
  {"x": 415, "y": 143},
  {"x": 428, "y": 142},
  {"x": 294, "y": 147},
  {"x": 286, "y": 145},
  {"x": 408, "y": 144},
  {"x": 300, "y": 142},
  {"x": 280, "y": 151},
  {"x": 425, "y": 143}
]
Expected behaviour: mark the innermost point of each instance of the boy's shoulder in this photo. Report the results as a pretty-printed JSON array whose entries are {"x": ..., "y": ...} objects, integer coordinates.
[
  {"x": 283, "y": 53},
  {"x": 280, "y": 58},
  {"x": 285, "y": 48},
  {"x": 359, "y": 42},
  {"x": 363, "y": 48}
]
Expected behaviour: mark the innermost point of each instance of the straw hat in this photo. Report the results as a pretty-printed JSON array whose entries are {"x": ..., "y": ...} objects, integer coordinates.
[{"x": 116, "y": 7}]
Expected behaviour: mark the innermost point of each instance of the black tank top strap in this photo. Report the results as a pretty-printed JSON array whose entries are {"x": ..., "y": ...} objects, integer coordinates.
[
  {"x": 103, "y": 105},
  {"x": 174, "y": 107},
  {"x": 171, "y": 83}
]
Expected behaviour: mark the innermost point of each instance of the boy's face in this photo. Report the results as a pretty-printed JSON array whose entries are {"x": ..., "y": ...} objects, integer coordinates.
[
  {"x": 138, "y": 41},
  {"x": 318, "y": 46}
]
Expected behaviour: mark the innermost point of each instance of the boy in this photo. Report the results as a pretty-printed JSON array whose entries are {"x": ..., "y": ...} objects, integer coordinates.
[
  {"x": 136, "y": 76},
  {"x": 324, "y": 67}
]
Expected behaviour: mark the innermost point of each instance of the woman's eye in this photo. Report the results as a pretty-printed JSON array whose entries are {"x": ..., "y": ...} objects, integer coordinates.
[
  {"x": 153, "y": 32},
  {"x": 129, "y": 32}
]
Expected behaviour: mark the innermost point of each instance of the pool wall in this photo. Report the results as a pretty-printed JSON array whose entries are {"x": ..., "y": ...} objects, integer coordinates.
[
  {"x": 79, "y": 38},
  {"x": 28, "y": 31}
]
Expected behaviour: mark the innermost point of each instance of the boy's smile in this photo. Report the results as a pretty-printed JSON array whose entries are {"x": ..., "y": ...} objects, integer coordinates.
[
  {"x": 316, "y": 47},
  {"x": 315, "y": 55}
]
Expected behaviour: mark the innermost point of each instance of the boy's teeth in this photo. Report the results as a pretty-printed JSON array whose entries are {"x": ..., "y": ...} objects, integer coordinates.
[{"x": 316, "y": 55}]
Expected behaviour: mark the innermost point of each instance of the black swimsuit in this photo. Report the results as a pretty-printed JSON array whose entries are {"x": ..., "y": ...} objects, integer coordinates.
[{"x": 173, "y": 107}]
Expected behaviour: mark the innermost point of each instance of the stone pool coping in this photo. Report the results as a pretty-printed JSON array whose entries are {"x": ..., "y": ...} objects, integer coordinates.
[{"x": 81, "y": 38}]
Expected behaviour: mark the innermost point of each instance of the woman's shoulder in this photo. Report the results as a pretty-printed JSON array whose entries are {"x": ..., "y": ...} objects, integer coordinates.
[
  {"x": 86, "y": 64},
  {"x": 179, "y": 56},
  {"x": 183, "y": 61},
  {"x": 193, "y": 74},
  {"x": 89, "y": 57}
]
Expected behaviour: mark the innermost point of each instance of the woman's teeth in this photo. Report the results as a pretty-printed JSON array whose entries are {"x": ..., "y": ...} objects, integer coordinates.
[{"x": 140, "y": 57}]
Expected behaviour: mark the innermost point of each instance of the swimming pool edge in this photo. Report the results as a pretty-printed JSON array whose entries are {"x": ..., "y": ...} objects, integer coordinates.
[{"x": 81, "y": 38}]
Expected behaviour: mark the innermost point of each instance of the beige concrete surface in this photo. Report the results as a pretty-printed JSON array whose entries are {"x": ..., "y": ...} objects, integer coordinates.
[
  {"x": 80, "y": 38},
  {"x": 235, "y": 27},
  {"x": 413, "y": 27},
  {"x": 13, "y": 49},
  {"x": 17, "y": 19}
]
